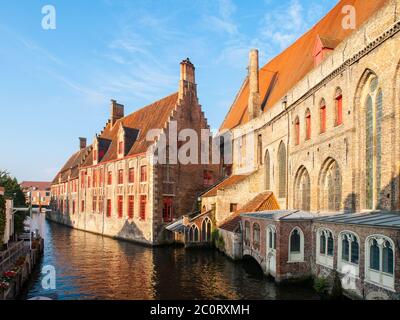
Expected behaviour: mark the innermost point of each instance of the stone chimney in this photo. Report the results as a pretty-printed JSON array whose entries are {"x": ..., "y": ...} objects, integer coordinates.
[
  {"x": 254, "y": 88},
  {"x": 187, "y": 80},
  {"x": 117, "y": 111},
  {"x": 82, "y": 143}
]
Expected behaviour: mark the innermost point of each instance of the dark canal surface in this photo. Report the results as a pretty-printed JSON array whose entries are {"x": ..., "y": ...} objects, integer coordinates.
[{"x": 90, "y": 266}]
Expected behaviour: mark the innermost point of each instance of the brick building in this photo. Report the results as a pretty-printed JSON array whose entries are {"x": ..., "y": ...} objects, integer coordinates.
[
  {"x": 115, "y": 187},
  {"x": 38, "y": 192},
  {"x": 318, "y": 127}
]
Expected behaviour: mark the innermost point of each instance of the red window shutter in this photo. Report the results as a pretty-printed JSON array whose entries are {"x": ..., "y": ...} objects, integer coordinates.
[
  {"x": 168, "y": 209},
  {"x": 339, "y": 110},
  {"x": 308, "y": 127},
  {"x": 131, "y": 206},
  {"x": 108, "y": 207},
  {"x": 120, "y": 206},
  {"x": 323, "y": 119},
  {"x": 143, "y": 203}
]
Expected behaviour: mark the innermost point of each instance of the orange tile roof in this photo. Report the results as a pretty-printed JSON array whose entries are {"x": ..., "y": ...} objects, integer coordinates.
[
  {"x": 39, "y": 185},
  {"x": 71, "y": 167},
  {"x": 296, "y": 61},
  {"x": 230, "y": 181},
  {"x": 265, "y": 201},
  {"x": 153, "y": 116}
]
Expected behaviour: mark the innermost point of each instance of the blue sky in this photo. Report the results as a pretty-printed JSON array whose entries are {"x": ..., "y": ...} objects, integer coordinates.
[{"x": 55, "y": 85}]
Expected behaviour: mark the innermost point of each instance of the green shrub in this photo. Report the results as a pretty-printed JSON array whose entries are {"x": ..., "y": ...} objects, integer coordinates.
[{"x": 321, "y": 286}]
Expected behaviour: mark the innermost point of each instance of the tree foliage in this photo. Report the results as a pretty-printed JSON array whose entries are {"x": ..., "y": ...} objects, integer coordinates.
[
  {"x": 2, "y": 219},
  {"x": 13, "y": 191}
]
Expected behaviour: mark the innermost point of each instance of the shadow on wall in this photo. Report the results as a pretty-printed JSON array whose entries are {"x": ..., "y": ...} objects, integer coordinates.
[
  {"x": 388, "y": 198},
  {"x": 131, "y": 231}
]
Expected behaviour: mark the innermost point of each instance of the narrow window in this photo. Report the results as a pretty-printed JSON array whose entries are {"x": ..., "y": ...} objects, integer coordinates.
[
  {"x": 387, "y": 258},
  {"x": 168, "y": 209},
  {"x": 295, "y": 242},
  {"x": 322, "y": 111},
  {"x": 121, "y": 147},
  {"x": 143, "y": 173},
  {"x": 120, "y": 206},
  {"x": 308, "y": 125},
  {"x": 131, "y": 175},
  {"x": 108, "y": 207},
  {"x": 109, "y": 178},
  {"x": 339, "y": 107},
  {"x": 374, "y": 255},
  {"x": 94, "y": 203},
  {"x": 282, "y": 171},
  {"x": 83, "y": 206},
  {"x": 297, "y": 131},
  {"x": 131, "y": 207},
  {"x": 233, "y": 207},
  {"x": 120, "y": 176},
  {"x": 143, "y": 203},
  {"x": 247, "y": 232}
]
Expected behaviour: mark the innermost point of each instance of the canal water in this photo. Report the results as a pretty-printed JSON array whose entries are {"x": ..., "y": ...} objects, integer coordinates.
[{"x": 90, "y": 266}]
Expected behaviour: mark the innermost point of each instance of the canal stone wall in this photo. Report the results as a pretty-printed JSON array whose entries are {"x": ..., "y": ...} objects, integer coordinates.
[{"x": 23, "y": 267}]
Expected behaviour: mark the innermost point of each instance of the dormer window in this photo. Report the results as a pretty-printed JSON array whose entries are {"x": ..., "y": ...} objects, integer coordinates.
[
  {"x": 323, "y": 46},
  {"x": 121, "y": 148}
]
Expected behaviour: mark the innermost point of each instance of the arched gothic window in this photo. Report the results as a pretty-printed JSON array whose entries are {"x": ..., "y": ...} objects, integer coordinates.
[
  {"x": 330, "y": 187},
  {"x": 296, "y": 245},
  {"x": 271, "y": 238},
  {"x": 206, "y": 230},
  {"x": 256, "y": 236},
  {"x": 380, "y": 260},
  {"x": 247, "y": 232},
  {"x": 302, "y": 190},
  {"x": 282, "y": 171},
  {"x": 325, "y": 247},
  {"x": 373, "y": 139}
]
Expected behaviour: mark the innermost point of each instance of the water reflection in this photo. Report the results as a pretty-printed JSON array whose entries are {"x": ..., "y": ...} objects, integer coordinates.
[{"x": 89, "y": 266}]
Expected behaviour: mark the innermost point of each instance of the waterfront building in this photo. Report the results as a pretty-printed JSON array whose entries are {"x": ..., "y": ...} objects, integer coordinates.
[
  {"x": 37, "y": 192},
  {"x": 317, "y": 126},
  {"x": 115, "y": 188}
]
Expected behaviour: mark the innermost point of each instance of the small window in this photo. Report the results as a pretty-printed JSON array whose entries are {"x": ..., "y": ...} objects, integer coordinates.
[
  {"x": 295, "y": 241},
  {"x": 143, "y": 173},
  {"x": 131, "y": 177},
  {"x": 297, "y": 131},
  {"x": 120, "y": 176},
  {"x": 143, "y": 204},
  {"x": 308, "y": 124},
  {"x": 247, "y": 232},
  {"x": 322, "y": 111},
  {"x": 82, "y": 205},
  {"x": 109, "y": 178},
  {"x": 168, "y": 209},
  {"x": 108, "y": 208},
  {"x": 208, "y": 178},
  {"x": 233, "y": 207},
  {"x": 339, "y": 107},
  {"x": 121, "y": 148},
  {"x": 120, "y": 206},
  {"x": 131, "y": 206},
  {"x": 256, "y": 236},
  {"x": 94, "y": 203}
]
